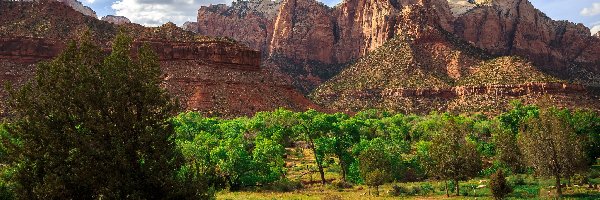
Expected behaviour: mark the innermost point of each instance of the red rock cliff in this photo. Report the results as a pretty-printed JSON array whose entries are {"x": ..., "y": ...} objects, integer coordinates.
[{"x": 516, "y": 27}]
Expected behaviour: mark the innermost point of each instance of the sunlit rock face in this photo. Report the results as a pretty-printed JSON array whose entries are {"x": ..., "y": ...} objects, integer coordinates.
[{"x": 119, "y": 20}]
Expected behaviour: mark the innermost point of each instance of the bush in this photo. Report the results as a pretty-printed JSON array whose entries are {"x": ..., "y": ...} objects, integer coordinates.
[
  {"x": 340, "y": 184},
  {"x": 284, "y": 185},
  {"x": 579, "y": 179},
  {"x": 398, "y": 190},
  {"x": 499, "y": 186},
  {"x": 427, "y": 188},
  {"x": 6, "y": 191},
  {"x": 518, "y": 180}
]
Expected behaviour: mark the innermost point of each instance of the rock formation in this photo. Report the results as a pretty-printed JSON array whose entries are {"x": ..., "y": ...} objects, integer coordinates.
[
  {"x": 249, "y": 22},
  {"x": 119, "y": 20},
  {"x": 425, "y": 68},
  {"x": 515, "y": 27},
  {"x": 215, "y": 76},
  {"x": 76, "y": 5},
  {"x": 314, "y": 37},
  {"x": 190, "y": 26}
]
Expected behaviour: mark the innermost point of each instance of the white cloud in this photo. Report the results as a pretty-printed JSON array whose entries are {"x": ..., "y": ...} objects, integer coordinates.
[
  {"x": 157, "y": 12},
  {"x": 90, "y": 1},
  {"x": 595, "y": 29},
  {"x": 591, "y": 11}
]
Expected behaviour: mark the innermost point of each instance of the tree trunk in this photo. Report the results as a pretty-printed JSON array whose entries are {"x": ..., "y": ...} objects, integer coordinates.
[
  {"x": 558, "y": 189},
  {"x": 457, "y": 188},
  {"x": 322, "y": 174},
  {"x": 447, "y": 194},
  {"x": 319, "y": 164},
  {"x": 343, "y": 171},
  {"x": 377, "y": 190}
]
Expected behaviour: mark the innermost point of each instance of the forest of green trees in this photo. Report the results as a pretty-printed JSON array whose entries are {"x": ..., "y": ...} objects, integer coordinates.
[
  {"x": 373, "y": 147},
  {"x": 94, "y": 127}
]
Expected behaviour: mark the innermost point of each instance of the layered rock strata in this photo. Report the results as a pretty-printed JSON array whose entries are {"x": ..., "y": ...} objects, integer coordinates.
[{"x": 214, "y": 76}]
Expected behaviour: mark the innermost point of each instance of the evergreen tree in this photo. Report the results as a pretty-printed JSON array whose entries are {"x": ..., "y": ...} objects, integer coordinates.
[{"x": 91, "y": 127}]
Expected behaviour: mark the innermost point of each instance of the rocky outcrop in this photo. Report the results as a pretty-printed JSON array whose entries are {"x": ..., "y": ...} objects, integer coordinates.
[
  {"x": 28, "y": 50},
  {"x": 309, "y": 41},
  {"x": 304, "y": 30},
  {"x": 118, "y": 20},
  {"x": 190, "y": 26},
  {"x": 249, "y": 22},
  {"x": 31, "y": 50},
  {"x": 79, "y": 7},
  {"x": 312, "y": 35},
  {"x": 215, "y": 76},
  {"x": 515, "y": 27},
  {"x": 76, "y": 5}
]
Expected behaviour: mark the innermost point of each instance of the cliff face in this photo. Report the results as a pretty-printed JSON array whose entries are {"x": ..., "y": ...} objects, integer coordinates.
[
  {"x": 116, "y": 19},
  {"x": 515, "y": 27},
  {"x": 305, "y": 31},
  {"x": 211, "y": 75},
  {"x": 425, "y": 68},
  {"x": 305, "y": 39},
  {"x": 190, "y": 26},
  {"x": 249, "y": 22},
  {"x": 76, "y": 5}
]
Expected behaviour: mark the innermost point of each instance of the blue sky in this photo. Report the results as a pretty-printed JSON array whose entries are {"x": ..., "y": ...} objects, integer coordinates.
[{"x": 156, "y": 12}]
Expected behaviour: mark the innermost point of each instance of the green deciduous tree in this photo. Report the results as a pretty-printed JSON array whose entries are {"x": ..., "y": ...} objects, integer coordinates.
[
  {"x": 374, "y": 164},
  {"x": 94, "y": 127},
  {"x": 452, "y": 156},
  {"x": 551, "y": 146},
  {"x": 311, "y": 127}
]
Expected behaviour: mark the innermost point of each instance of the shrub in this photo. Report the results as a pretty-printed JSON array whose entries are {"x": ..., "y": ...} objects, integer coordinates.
[
  {"x": 518, "y": 180},
  {"x": 427, "y": 188},
  {"x": 340, "y": 184},
  {"x": 499, "y": 186},
  {"x": 284, "y": 185},
  {"x": 579, "y": 179},
  {"x": 398, "y": 190}
]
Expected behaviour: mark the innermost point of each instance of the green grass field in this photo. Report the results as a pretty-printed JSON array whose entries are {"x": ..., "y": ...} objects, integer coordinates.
[{"x": 301, "y": 161}]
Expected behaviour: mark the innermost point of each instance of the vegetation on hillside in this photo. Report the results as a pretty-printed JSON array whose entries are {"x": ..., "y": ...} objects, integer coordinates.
[{"x": 507, "y": 70}]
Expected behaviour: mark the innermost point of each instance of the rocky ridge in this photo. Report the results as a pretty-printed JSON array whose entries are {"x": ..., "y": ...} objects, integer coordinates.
[
  {"x": 425, "y": 68},
  {"x": 118, "y": 20},
  {"x": 516, "y": 27},
  {"x": 76, "y": 5},
  {"x": 317, "y": 38},
  {"x": 249, "y": 22},
  {"x": 211, "y": 75}
]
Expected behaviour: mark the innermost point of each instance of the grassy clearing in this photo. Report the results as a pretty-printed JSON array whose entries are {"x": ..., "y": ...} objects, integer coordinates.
[
  {"x": 301, "y": 168},
  {"x": 540, "y": 189}
]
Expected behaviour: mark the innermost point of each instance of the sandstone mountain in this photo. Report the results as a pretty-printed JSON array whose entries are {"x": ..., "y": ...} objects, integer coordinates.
[
  {"x": 463, "y": 47},
  {"x": 116, "y": 19},
  {"x": 316, "y": 37},
  {"x": 424, "y": 68},
  {"x": 208, "y": 74}
]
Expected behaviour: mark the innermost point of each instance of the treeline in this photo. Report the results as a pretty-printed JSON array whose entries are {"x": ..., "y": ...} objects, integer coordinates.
[{"x": 374, "y": 147}]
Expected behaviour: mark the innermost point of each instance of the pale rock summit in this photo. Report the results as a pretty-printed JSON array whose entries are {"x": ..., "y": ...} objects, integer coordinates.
[{"x": 116, "y": 19}]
